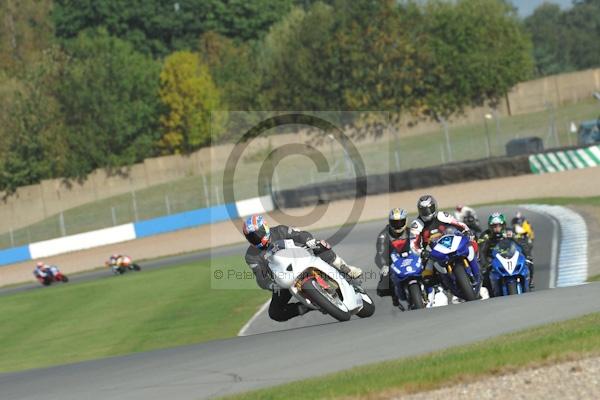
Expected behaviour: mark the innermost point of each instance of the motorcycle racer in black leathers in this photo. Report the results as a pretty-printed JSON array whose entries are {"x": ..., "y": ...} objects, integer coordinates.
[
  {"x": 468, "y": 216},
  {"x": 393, "y": 236},
  {"x": 260, "y": 235}
]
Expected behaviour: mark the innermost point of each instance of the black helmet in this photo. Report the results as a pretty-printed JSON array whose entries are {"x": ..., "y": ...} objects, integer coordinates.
[
  {"x": 427, "y": 207},
  {"x": 397, "y": 221}
]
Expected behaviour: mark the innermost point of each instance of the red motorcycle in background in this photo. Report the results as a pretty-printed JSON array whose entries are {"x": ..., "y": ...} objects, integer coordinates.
[{"x": 49, "y": 275}]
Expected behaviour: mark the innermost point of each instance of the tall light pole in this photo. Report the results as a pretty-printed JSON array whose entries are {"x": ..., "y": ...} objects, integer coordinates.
[
  {"x": 444, "y": 123},
  {"x": 487, "y": 134}
]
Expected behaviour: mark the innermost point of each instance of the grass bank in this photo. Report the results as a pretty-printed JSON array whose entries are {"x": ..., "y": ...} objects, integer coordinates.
[{"x": 126, "y": 314}]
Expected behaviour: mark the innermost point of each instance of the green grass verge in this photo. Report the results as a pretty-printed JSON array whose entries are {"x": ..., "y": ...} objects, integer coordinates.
[
  {"x": 124, "y": 314},
  {"x": 556, "y": 201},
  {"x": 595, "y": 278},
  {"x": 549, "y": 343}
]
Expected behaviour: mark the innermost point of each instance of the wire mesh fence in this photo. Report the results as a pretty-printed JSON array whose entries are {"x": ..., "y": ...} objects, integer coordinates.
[{"x": 449, "y": 142}]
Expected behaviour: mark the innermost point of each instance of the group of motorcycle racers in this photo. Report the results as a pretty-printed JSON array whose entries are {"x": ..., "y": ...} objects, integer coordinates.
[
  {"x": 396, "y": 237},
  {"x": 47, "y": 274}
]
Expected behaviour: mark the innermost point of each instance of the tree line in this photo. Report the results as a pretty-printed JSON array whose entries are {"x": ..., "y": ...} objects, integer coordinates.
[{"x": 107, "y": 83}]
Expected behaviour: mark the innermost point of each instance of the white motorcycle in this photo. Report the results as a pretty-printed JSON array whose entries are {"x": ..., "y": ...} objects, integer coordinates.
[{"x": 315, "y": 283}]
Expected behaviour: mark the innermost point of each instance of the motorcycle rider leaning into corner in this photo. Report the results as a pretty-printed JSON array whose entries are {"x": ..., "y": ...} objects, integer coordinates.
[
  {"x": 114, "y": 260},
  {"x": 260, "y": 236},
  {"x": 431, "y": 224},
  {"x": 42, "y": 270},
  {"x": 497, "y": 231},
  {"x": 393, "y": 236}
]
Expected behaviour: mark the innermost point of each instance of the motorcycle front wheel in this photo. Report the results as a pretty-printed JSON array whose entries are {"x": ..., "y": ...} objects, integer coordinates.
[
  {"x": 415, "y": 296},
  {"x": 368, "y": 308},
  {"x": 511, "y": 288},
  {"x": 463, "y": 282},
  {"x": 326, "y": 302}
]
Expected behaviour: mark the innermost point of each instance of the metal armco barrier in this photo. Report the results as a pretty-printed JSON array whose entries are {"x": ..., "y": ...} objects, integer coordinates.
[{"x": 418, "y": 178}]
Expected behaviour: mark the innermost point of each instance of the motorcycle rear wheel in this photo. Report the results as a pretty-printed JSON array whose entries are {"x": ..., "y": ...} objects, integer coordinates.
[{"x": 316, "y": 294}]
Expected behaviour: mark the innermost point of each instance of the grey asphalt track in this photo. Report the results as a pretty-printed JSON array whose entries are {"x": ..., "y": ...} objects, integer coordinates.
[{"x": 244, "y": 363}]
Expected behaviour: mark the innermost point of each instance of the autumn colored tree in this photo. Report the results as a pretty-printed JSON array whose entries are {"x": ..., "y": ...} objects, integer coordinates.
[
  {"x": 188, "y": 94},
  {"x": 233, "y": 67},
  {"x": 25, "y": 30}
]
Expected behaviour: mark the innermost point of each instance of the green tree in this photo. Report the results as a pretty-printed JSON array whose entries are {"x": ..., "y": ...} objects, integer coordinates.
[
  {"x": 382, "y": 67},
  {"x": 233, "y": 67},
  {"x": 565, "y": 40},
  {"x": 189, "y": 95},
  {"x": 582, "y": 34},
  {"x": 159, "y": 27},
  {"x": 109, "y": 95},
  {"x": 475, "y": 51},
  {"x": 293, "y": 62},
  {"x": 26, "y": 30},
  {"x": 32, "y": 142},
  {"x": 548, "y": 36},
  {"x": 326, "y": 57}
]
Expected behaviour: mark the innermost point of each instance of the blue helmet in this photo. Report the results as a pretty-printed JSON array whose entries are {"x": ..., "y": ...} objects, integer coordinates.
[{"x": 257, "y": 231}]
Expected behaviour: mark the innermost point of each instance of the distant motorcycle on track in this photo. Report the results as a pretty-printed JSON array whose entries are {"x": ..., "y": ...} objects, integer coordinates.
[
  {"x": 121, "y": 264},
  {"x": 52, "y": 275}
]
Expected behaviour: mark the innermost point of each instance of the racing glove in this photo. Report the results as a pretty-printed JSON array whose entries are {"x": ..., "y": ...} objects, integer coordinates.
[{"x": 385, "y": 270}]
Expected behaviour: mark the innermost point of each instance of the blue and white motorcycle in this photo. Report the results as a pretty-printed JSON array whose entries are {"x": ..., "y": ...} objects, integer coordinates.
[
  {"x": 455, "y": 263},
  {"x": 406, "y": 272},
  {"x": 509, "y": 273}
]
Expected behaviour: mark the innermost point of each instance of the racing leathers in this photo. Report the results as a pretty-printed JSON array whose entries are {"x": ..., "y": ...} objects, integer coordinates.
[
  {"x": 488, "y": 240},
  {"x": 387, "y": 240},
  {"x": 423, "y": 232},
  {"x": 280, "y": 309},
  {"x": 42, "y": 271}
]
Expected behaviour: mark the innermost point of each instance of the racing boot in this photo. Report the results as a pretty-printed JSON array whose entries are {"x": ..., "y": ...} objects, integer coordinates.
[
  {"x": 349, "y": 270},
  {"x": 303, "y": 309},
  {"x": 395, "y": 301},
  {"x": 530, "y": 266}
]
